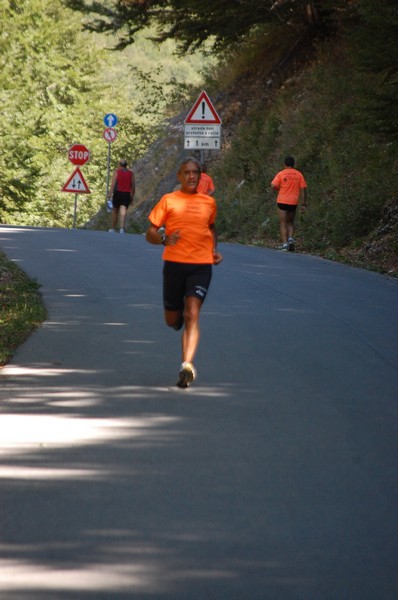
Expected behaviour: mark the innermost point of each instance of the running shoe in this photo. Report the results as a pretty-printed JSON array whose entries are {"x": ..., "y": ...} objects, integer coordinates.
[
  {"x": 186, "y": 375},
  {"x": 121, "y": 231},
  {"x": 284, "y": 247},
  {"x": 290, "y": 244}
]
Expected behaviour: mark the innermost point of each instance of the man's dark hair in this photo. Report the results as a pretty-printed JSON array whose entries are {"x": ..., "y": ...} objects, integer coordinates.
[
  {"x": 289, "y": 161},
  {"x": 123, "y": 163}
]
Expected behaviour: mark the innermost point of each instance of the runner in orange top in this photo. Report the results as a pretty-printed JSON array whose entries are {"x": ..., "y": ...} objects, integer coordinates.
[
  {"x": 190, "y": 251},
  {"x": 190, "y": 215},
  {"x": 291, "y": 187},
  {"x": 206, "y": 183}
]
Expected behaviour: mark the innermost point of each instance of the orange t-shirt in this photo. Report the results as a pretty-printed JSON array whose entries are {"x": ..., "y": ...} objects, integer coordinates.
[
  {"x": 289, "y": 182},
  {"x": 206, "y": 184},
  {"x": 191, "y": 215}
]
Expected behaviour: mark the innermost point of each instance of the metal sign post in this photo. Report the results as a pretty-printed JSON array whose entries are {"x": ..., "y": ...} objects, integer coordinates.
[
  {"x": 109, "y": 135},
  {"x": 76, "y": 184},
  {"x": 108, "y": 167},
  {"x": 74, "y": 213}
]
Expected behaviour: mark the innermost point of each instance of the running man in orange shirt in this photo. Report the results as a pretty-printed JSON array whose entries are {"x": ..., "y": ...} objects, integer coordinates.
[
  {"x": 190, "y": 242},
  {"x": 291, "y": 187}
]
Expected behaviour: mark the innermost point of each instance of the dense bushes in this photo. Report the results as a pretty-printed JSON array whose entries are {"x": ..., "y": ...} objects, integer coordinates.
[{"x": 320, "y": 116}]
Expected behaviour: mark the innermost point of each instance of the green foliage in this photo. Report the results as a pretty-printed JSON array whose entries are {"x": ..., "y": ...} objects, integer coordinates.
[
  {"x": 194, "y": 22},
  {"x": 47, "y": 76},
  {"x": 376, "y": 41},
  {"x": 56, "y": 84},
  {"x": 21, "y": 307},
  {"x": 160, "y": 81},
  {"x": 320, "y": 117}
]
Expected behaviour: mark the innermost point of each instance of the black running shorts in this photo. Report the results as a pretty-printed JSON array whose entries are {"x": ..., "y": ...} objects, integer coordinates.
[
  {"x": 287, "y": 207},
  {"x": 184, "y": 279},
  {"x": 121, "y": 199}
]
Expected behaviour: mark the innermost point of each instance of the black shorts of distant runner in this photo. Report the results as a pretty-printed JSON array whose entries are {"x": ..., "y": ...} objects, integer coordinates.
[
  {"x": 121, "y": 199},
  {"x": 287, "y": 207},
  {"x": 184, "y": 279}
]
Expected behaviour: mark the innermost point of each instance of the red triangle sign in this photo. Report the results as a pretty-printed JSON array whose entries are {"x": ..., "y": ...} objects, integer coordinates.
[
  {"x": 203, "y": 111},
  {"x": 76, "y": 183}
]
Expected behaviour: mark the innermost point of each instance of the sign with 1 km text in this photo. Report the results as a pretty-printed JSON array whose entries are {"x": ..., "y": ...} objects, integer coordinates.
[{"x": 202, "y": 127}]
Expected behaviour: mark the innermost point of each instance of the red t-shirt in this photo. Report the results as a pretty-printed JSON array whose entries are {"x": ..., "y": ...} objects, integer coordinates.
[{"x": 124, "y": 180}]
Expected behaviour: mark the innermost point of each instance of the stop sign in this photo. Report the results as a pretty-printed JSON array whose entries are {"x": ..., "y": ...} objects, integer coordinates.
[{"x": 78, "y": 154}]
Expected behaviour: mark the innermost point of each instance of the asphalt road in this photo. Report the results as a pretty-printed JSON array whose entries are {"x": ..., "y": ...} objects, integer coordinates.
[{"x": 273, "y": 478}]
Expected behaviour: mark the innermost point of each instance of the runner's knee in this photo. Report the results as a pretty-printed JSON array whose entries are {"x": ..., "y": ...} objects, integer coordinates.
[
  {"x": 191, "y": 309},
  {"x": 173, "y": 318}
]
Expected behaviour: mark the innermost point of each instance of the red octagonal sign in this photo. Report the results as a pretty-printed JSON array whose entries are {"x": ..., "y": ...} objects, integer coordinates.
[{"x": 78, "y": 154}]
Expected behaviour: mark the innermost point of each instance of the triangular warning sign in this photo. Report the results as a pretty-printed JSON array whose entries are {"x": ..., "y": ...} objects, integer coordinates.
[
  {"x": 203, "y": 111},
  {"x": 76, "y": 183}
]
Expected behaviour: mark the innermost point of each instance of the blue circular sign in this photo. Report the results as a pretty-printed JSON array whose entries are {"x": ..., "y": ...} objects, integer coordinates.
[{"x": 110, "y": 120}]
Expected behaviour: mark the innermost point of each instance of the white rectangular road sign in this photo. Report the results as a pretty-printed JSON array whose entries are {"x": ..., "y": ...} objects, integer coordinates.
[
  {"x": 202, "y": 130},
  {"x": 202, "y": 143}
]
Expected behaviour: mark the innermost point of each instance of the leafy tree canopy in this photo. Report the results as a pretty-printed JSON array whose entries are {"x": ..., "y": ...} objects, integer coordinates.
[
  {"x": 46, "y": 77},
  {"x": 377, "y": 51},
  {"x": 56, "y": 84},
  {"x": 192, "y": 22}
]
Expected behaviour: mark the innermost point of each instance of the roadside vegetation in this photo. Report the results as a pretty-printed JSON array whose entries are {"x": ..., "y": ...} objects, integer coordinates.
[
  {"x": 325, "y": 92},
  {"x": 323, "y": 114},
  {"x": 21, "y": 308},
  {"x": 57, "y": 83}
]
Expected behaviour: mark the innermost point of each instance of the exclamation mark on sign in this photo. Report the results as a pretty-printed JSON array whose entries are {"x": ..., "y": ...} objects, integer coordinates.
[{"x": 203, "y": 109}]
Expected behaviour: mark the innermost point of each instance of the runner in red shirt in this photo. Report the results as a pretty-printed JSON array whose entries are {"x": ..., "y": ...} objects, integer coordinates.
[
  {"x": 291, "y": 187},
  {"x": 190, "y": 242},
  {"x": 121, "y": 193}
]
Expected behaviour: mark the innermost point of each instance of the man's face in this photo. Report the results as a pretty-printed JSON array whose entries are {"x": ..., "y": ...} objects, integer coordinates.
[{"x": 188, "y": 176}]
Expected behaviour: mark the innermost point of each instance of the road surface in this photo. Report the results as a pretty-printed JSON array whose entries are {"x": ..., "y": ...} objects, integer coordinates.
[{"x": 274, "y": 477}]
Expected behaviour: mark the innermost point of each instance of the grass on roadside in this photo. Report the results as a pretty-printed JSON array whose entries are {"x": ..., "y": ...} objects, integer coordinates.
[{"x": 21, "y": 307}]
